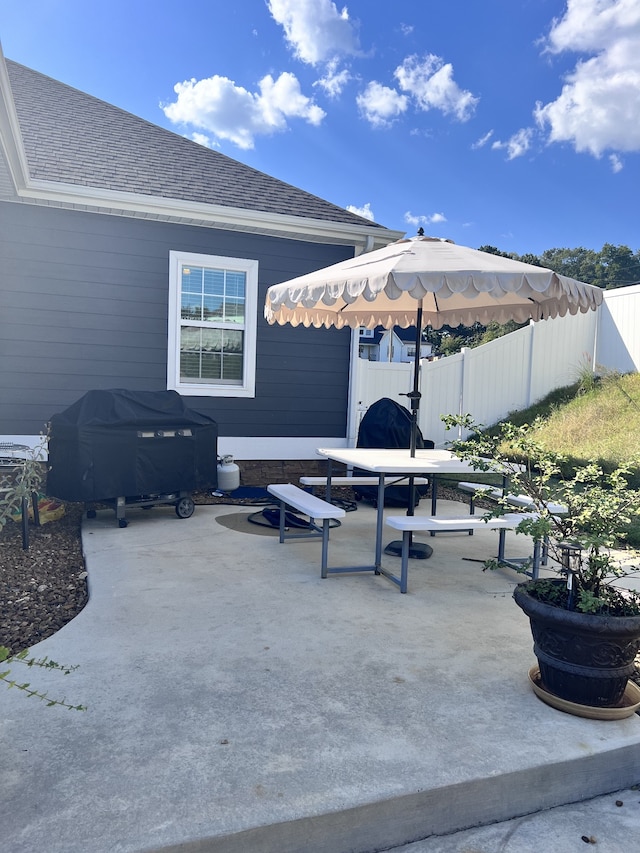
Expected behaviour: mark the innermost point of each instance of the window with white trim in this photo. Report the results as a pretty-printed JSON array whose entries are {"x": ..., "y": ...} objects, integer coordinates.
[{"x": 213, "y": 304}]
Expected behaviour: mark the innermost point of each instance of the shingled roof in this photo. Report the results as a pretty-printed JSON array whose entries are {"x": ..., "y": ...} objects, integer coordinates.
[{"x": 74, "y": 138}]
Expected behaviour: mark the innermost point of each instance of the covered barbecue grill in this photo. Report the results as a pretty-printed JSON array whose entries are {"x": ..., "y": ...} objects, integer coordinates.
[
  {"x": 132, "y": 448},
  {"x": 388, "y": 424}
]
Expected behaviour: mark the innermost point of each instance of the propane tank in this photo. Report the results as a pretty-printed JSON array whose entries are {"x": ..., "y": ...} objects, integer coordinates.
[{"x": 228, "y": 474}]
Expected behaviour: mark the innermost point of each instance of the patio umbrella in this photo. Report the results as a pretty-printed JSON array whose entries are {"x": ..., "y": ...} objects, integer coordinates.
[{"x": 426, "y": 281}]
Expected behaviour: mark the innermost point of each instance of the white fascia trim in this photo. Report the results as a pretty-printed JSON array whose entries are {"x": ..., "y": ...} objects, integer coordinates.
[
  {"x": 295, "y": 227},
  {"x": 10, "y": 134},
  {"x": 287, "y": 448}
]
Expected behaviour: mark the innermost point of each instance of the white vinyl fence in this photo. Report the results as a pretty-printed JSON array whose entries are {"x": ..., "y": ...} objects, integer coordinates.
[
  {"x": 618, "y": 346},
  {"x": 511, "y": 372}
]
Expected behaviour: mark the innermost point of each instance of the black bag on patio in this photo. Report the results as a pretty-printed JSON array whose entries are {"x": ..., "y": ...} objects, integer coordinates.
[{"x": 387, "y": 424}]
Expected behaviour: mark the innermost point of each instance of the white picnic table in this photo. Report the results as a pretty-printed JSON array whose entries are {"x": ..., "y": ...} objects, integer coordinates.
[{"x": 387, "y": 462}]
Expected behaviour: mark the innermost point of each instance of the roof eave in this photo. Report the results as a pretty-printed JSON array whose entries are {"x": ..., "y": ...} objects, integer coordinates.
[
  {"x": 207, "y": 215},
  {"x": 10, "y": 133}
]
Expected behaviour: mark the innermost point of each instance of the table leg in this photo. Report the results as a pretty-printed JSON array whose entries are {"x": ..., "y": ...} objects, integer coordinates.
[
  {"x": 434, "y": 498},
  {"x": 327, "y": 496},
  {"x": 379, "y": 522}
]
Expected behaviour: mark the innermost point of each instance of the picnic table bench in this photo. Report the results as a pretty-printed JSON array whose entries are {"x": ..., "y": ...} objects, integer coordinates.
[
  {"x": 409, "y": 524},
  {"x": 290, "y": 495},
  {"x": 493, "y": 493}
]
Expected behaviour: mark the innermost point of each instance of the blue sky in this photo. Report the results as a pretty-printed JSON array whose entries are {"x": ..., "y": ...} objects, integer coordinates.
[{"x": 514, "y": 123}]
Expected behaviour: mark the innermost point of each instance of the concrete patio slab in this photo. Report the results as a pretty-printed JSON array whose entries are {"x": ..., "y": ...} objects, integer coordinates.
[{"x": 238, "y": 702}]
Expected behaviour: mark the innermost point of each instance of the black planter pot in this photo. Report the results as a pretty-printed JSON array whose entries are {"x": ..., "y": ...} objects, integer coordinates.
[{"x": 583, "y": 658}]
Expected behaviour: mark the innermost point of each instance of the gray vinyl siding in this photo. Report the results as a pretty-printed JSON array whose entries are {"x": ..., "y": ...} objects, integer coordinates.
[{"x": 84, "y": 305}]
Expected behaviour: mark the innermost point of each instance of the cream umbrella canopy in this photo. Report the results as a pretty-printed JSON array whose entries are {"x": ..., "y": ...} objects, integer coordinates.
[{"x": 455, "y": 285}]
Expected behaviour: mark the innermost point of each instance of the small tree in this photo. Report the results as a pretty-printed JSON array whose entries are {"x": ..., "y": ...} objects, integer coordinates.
[
  {"x": 599, "y": 508},
  {"x": 24, "y": 481}
]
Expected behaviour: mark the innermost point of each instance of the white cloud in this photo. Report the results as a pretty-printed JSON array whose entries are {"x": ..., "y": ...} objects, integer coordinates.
[
  {"x": 333, "y": 81},
  {"x": 599, "y": 104},
  {"x": 315, "y": 29},
  {"x": 431, "y": 219},
  {"x": 364, "y": 211},
  {"x": 406, "y": 29},
  {"x": 380, "y": 105},
  {"x": 430, "y": 81},
  {"x": 591, "y": 25},
  {"x": 216, "y": 105},
  {"x": 518, "y": 145},
  {"x": 616, "y": 163},
  {"x": 203, "y": 139},
  {"x": 480, "y": 143}
]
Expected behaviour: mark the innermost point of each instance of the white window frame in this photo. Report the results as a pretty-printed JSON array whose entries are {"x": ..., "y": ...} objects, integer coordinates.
[{"x": 250, "y": 268}]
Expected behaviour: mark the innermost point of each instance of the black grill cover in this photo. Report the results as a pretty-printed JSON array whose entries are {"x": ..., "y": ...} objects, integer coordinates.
[
  {"x": 387, "y": 424},
  {"x": 120, "y": 443}
]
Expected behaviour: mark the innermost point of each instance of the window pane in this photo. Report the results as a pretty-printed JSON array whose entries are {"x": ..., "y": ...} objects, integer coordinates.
[
  {"x": 211, "y": 355},
  {"x": 213, "y": 282},
  {"x": 189, "y": 365},
  {"x": 211, "y": 339},
  {"x": 213, "y": 308},
  {"x": 191, "y": 298},
  {"x": 234, "y": 311},
  {"x": 235, "y": 297},
  {"x": 232, "y": 368},
  {"x": 211, "y": 366},
  {"x": 232, "y": 355},
  {"x": 213, "y": 295}
]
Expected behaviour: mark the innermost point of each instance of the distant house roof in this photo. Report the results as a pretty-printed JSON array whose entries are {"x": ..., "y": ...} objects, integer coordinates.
[
  {"x": 373, "y": 339},
  {"x": 405, "y": 335},
  {"x": 78, "y": 142}
]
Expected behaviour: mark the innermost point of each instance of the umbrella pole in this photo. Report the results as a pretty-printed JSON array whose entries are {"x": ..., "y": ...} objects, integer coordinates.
[
  {"x": 417, "y": 550},
  {"x": 415, "y": 395}
]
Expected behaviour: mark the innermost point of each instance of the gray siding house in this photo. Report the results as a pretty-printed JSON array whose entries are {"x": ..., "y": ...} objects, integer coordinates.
[{"x": 131, "y": 257}]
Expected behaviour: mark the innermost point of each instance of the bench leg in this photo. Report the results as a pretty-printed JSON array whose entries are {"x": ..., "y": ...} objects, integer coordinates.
[
  {"x": 404, "y": 570},
  {"x": 379, "y": 523},
  {"x": 325, "y": 547},
  {"x": 472, "y": 508},
  {"x": 502, "y": 536},
  {"x": 434, "y": 498}
]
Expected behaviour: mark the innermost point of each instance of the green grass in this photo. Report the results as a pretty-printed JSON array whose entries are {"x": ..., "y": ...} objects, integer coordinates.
[
  {"x": 600, "y": 424},
  {"x": 592, "y": 421}
]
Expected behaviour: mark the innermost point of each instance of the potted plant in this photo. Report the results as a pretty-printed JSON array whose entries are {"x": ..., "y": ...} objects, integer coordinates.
[{"x": 585, "y": 620}]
